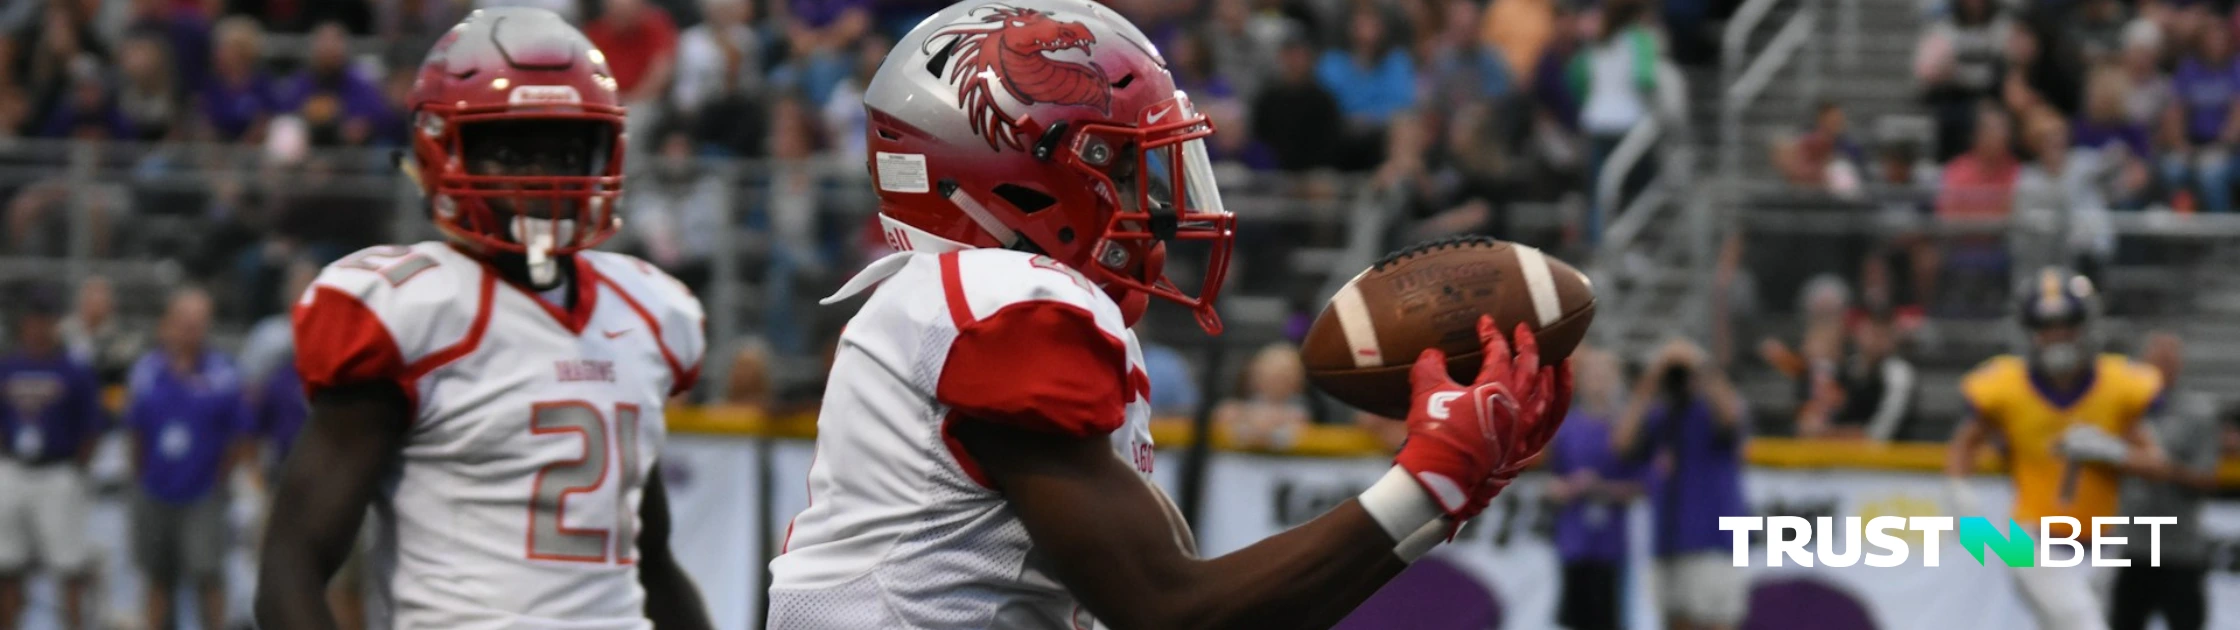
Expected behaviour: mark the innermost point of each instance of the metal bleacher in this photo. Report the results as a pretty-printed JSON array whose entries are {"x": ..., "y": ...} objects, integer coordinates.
[
  {"x": 151, "y": 218},
  {"x": 2166, "y": 275}
]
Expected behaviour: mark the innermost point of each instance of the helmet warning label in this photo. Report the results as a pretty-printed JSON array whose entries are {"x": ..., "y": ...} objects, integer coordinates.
[{"x": 901, "y": 172}]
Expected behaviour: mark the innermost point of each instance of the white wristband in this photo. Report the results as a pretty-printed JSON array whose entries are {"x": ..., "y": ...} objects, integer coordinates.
[{"x": 1403, "y": 509}]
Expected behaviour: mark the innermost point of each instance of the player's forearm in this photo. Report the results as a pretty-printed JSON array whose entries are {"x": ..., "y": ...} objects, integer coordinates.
[
  {"x": 1727, "y": 405},
  {"x": 672, "y": 601},
  {"x": 298, "y": 560},
  {"x": 1619, "y": 491},
  {"x": 1343, "y": 603},
  {"x": 1628, "y": 430},
  {"x": 326, "y": 483},
  {"x": 292, "y": 587}
]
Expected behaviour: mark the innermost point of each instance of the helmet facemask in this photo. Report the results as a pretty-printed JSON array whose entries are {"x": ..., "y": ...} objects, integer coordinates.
[
  {"x": 1160, "y": 184},
  {"x": 541, "y": 186},
  {"x": 2057, "y": 316}
]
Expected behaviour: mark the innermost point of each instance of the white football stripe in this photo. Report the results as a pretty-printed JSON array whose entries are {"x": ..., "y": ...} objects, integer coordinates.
[
  {"x": 1360, "y": 330},
  {"x": 1540, "y": 283}
]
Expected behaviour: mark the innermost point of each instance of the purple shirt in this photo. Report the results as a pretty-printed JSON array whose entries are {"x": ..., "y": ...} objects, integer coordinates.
[
  {"x": 822, "y": 13},
  {"x": 184, "y": 424},
  {"x": 281, "y": 408},
  {"x": 2091, "y": 135},
  {"x": 67, "y": 117},
  {"x": 188, "y": 31},
  {"x": 232, "y": 109},
  {"x": 1703, "y": 483},
  {"x": 2206, "y": 91},
  {"x": 355, "y": 97},
  {"x": 1588, "y": 529},
  {"x": 48, "y": 408}
]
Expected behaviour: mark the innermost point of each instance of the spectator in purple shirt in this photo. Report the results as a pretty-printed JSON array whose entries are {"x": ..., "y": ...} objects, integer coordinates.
[
  {"x": 237, "y": 98},
  {"x": 339, "y": 103},
  {"x": 2103, "y": 126},
  {"x": 187, "y": 419},
  {"x": 823, "y": 34},
  {"x": 2207, "y": 87},
  {"x": 147, "y": 87},
  {"x": 1591, "y": 492},
  {"x": 1685, "y": 419},
  {"x": 184, "y": 27},
  {"x": 50, "y": 419},
  {"x": 281, "y": 409},
  {"x": 86, "y": 110}
]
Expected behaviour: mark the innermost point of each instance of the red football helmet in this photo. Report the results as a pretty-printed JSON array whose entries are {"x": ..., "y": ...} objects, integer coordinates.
[
  {"x": 1051, "y": 126},
  {"x": 529, "y": 73}
]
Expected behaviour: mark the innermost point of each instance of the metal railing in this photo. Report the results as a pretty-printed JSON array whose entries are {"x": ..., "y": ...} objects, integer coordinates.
[
  {"x": 163, "y": 210},
  {"x": 1745, "y": 76},
  {"x": 1631, "y": 298},
  {"x": 2168, "y": 272}
]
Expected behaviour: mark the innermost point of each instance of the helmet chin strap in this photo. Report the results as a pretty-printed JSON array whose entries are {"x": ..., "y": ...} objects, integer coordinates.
[{"x": 537, "y": 237}]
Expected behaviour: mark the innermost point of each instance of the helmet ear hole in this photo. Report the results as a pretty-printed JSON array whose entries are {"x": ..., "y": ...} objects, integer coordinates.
[
  {"x": 1027, "y": 200},
  {"x": 1065, "y": 235}
]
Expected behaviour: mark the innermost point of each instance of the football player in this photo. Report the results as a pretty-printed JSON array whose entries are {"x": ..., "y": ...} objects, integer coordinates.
[
  {"x": 984, "y": 452},
  {"x": 495, "y": 396},
  {"x": 2069, "y": 419}
]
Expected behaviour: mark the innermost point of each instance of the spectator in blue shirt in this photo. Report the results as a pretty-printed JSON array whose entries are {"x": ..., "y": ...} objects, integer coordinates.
[
  {"x": 50, "y": 419},
  {"x": 1174, "y": 391},
  {"x": 823, "y": 35},
  {"x": 188, "y": 422},
  {"x": 1685, "y": 419},
  {"x": 1591, "y": 492},
  {"x": 1373, "y": 78}
]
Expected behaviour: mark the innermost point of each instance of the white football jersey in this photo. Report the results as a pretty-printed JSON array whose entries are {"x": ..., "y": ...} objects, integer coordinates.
[
  {"x": 902, "y": 531},
  {"x": 515, "y": 504}
]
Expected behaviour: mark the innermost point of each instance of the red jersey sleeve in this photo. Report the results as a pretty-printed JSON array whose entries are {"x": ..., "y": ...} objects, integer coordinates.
[
  {"x": 1040, "y": 365},
  {"x": 339, "y": 340}
]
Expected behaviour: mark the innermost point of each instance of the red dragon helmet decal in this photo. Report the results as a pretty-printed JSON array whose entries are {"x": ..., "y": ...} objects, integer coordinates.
[
  {"x": 1010, "y": 46},
  {"x": 1049, "y": 126}
]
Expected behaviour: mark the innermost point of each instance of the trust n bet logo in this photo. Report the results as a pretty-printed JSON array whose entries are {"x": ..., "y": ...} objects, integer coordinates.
[{"x": 1894, "y": 537}]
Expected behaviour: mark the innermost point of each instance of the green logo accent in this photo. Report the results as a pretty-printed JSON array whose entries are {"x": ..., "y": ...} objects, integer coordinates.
[{"x": 2016, "y": 548}]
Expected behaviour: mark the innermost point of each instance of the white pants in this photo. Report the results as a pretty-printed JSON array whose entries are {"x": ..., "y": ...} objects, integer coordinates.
[
  {"x": 1703, "y": 588},
  {"x": 43, "y": 518},
  {"x": 2061, "y": 598}
]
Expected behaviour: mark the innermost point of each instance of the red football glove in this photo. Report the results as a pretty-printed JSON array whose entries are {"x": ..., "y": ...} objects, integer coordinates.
[{"x": 1465, "y": 442}]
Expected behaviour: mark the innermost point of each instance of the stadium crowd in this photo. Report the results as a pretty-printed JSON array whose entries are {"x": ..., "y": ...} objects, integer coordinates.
[
  {"x": 248, "y": 141},
  {"x": 1467, "y": 106},
  {"x": 1470, "y": 109}
]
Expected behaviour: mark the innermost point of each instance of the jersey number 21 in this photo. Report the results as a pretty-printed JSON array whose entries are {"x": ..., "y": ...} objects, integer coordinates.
[{"x": 550, "y": 538}]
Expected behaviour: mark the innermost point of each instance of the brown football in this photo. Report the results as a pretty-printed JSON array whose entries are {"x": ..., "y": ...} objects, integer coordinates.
[{"x": 1430, "y": 296}]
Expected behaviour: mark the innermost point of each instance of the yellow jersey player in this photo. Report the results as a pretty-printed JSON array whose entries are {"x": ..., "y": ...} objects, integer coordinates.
[{"x": 2069, "y": 421}]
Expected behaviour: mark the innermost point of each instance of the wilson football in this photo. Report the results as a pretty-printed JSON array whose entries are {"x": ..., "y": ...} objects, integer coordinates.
[{"x": 1430, "y": 296}]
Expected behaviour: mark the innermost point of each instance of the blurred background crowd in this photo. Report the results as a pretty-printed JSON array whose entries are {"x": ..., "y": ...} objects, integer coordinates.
[
  {"x": 228, "y": 145},
  {"x": 1879, "y": 182}
]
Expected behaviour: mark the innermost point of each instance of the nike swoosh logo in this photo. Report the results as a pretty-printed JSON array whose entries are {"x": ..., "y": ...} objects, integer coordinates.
[
  {"x": 1162, "y": 114},
  {"x": 615, "y": 333}
]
